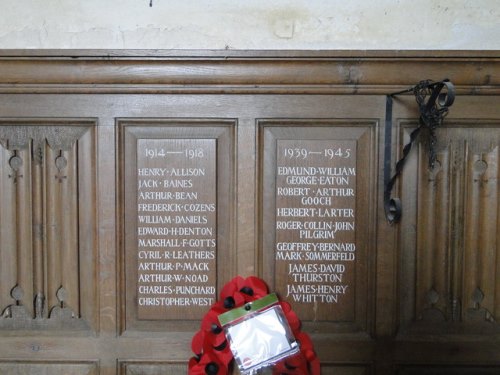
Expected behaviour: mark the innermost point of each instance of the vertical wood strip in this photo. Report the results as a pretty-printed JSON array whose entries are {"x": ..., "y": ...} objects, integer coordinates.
[
  {"x": 53, "y": 229},
  {"x": 489, "y": 218},
  {"x": 37, "y": 227},
  {"x": 84, "y": 179},
  {"x": 425, "y": 240},
  {"x": 43, "y": 228},
  {"x": 440, "y": 186},
  {"x": 495, "y": 170},
  {"x": 69, "y": 197},
  {"x": 247, "y": 260},
  {"x": 471, "y": 224},
  {"x": 456, "y": 231},
  {"x": 409, "y": 304},
  {"x": 8, "y": 242},
  {"x": 24, "y": 232}
]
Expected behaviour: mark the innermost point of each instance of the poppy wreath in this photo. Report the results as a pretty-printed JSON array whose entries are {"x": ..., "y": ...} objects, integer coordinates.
[{"x": 212, "y": 353}]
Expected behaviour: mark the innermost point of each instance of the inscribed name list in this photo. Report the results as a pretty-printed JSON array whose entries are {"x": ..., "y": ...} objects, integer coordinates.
[
  {"x": 315, "y": 248},
  {"x": 176, "y": 227}
]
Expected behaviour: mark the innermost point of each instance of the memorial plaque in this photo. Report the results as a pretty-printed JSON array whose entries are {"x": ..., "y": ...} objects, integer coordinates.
[
  {"x": 315, "y": 243},
  {"x": 176, "y": 227}
]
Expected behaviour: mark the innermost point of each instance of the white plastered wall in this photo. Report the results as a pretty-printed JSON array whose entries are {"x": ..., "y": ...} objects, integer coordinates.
[{"x": 251, "y": 24}]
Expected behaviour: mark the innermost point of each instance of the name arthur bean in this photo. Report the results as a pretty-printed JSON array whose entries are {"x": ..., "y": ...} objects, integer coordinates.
[{"x": 176, "y": 234}]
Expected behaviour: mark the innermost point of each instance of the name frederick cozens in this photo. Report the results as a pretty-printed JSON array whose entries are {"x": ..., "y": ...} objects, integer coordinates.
[{"x": 176, "y": 233}]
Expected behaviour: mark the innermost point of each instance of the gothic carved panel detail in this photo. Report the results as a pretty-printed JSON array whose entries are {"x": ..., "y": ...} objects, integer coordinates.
[
  {"x": 47, "y": 219},
  {"x": 453, "y": 249}
]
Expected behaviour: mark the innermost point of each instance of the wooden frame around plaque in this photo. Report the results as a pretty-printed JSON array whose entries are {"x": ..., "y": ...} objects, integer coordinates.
[
  {"x": 316, "y": 255},
  {"x": 177, "y": 181}
]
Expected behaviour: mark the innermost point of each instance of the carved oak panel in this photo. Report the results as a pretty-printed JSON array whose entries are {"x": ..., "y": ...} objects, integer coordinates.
[
  {"x": 47, "y": 225},
  {"x": 177, "y": 183},
  {"x": 316, "y": 210},
  {"x": 421, "y": 296},
  {"x": 453, "y": 252}
]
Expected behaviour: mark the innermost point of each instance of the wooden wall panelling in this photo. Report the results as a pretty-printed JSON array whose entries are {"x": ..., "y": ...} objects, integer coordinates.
[
  {"x": 318, "y": 177},
  {"x": 11, "y": 264},
  {"x": 300, "y": 88},
  {"x": 351, "y": 369},
  {"x": 251, "y": 72},
  {"x": 186, "y": 230},
  {"x": 153, "y": 368},
  {"x": 44, "y": 240},
  {"x": 481, "y": 220},
  {"x": 149, "y": 368},
  {"x": 86, "y": 157},
  {"x": 49, "y": 368},
  {"x": 453, "y": 251},
  {"x": 448, "y": 370},
  {"x": 17, "y": 228}
]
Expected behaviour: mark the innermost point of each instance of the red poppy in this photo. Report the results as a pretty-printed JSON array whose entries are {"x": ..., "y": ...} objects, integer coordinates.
[
  {"x": 208, "y": 364},
  {"x": 291, "y": 317},
  {"x": 211, "y": 326},
  {"x": 239, "y": 291},
  {"x": 258, "y": 288},
  {"x": 211, "y": 347},
  {"x": 306, "y": 345},
  {"x": 307, "y": 349},
  {"x": 197, "y": 342},
  {"x": 294, "y": 365},
  {"x": 223, "y": 352},
  {"x": 230, "y": 294}
]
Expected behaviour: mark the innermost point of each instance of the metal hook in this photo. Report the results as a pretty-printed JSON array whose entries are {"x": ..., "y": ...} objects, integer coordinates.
[{"x": 433, "y": 99}]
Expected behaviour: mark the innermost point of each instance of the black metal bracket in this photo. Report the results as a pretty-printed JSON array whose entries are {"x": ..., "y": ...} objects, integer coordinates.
[{"x": 433, "y": 99}]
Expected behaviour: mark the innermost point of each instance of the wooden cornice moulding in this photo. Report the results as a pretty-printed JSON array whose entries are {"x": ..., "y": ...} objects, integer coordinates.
[{"x": 294, "y": 72}]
